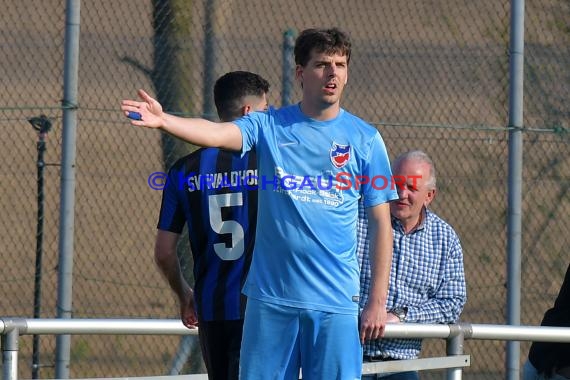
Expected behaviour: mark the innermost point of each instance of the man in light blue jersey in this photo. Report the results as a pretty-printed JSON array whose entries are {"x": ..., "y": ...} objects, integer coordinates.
[{"x": 315, "y": 161}]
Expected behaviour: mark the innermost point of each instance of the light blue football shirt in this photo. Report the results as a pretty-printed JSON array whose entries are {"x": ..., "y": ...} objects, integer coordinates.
[{"x": 305, "y": 250}]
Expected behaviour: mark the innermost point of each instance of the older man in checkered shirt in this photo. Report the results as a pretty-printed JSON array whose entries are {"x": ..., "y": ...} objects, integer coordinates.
[{"x": 427, "y": 280}]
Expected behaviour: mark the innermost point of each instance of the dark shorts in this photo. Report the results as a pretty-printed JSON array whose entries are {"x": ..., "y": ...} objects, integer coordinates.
[{"x": 220, "y": 342}]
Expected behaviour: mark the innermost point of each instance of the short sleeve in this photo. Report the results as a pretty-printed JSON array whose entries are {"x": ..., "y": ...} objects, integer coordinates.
[
  {"x": 250, "y": 126},
  {"x": 379, "y": 188},
  {"x": 171, "y": 211}
]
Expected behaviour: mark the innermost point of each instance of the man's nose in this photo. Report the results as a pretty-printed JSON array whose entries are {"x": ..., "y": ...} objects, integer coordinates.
[{"x": 332, "y": 70}]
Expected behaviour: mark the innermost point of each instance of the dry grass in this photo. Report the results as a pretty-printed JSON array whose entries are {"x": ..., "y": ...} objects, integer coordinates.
[{"x": 418, "y": 67}]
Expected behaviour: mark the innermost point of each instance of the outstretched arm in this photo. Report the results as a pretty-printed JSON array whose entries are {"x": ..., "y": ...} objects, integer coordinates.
[
  {"x": 196, "y": 131},
  {"x": 168, "y": 264},
  {"x": 374, "y": 318}
]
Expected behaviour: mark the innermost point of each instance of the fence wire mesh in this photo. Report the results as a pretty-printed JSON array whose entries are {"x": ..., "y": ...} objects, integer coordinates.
[{"x": 430, "y": 74}]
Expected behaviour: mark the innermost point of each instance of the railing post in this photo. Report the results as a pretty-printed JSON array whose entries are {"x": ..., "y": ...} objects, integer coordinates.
[
  {"x": 10, "y": 355},
  {"x": 455, "y": 347}
]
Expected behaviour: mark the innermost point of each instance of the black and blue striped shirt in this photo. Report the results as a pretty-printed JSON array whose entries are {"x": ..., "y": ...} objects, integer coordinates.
[{"x": 211, "y": 191}]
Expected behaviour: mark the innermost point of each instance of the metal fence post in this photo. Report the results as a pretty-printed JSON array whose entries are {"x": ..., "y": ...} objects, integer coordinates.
[
  {"x": 455, "y": 347},
  {"x": 514, "y": 207},
  {"x": 10, "y": 355},
  {"x": 288, "y": 67},
  {"x": 67, "y": 197}
]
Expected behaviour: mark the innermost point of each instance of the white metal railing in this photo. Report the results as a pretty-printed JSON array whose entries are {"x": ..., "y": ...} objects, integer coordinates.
[{"x": 12, "y": 328}]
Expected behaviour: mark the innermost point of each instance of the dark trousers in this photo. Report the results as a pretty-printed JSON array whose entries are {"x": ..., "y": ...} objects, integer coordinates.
[{"x": 220, "y": 342}]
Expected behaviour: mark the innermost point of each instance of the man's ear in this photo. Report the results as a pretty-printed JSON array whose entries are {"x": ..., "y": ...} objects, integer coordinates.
[
  {"x": 299, "y": 74},
  {"x": 245, "y": 110},
  {"x": 430, "y": 197},
  {"x": 299, "y": 71}
]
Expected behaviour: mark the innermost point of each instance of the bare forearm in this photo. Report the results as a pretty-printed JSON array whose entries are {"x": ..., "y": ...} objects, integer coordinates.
[
  {"x": 380, "y": 232},
  {"x": 169, "y": 267},
  {"x": 373, "y": 318},
  {"x": 380, "y": 263},
  {"x": 203, "y": 132},
  {"x": 167, "y": 262},
  {"x": 200, "y": 132}
]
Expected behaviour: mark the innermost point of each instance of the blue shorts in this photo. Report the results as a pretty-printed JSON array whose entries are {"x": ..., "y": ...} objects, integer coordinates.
[{"x": 279, "y": 340}]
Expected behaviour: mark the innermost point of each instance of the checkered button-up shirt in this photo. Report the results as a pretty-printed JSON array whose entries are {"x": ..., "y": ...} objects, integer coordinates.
[{"x": 427, "y": 277}]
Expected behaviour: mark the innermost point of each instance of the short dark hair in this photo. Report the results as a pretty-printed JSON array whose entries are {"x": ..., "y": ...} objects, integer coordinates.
[
  {"x": 231, "y": 88},
  {"x": 329, "y": 41}
]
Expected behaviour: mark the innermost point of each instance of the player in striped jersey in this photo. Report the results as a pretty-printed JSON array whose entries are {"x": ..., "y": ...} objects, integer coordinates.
[{"x": 211, "y": 190}]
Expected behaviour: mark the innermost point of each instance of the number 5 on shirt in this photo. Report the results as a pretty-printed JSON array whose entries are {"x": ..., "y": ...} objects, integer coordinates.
[{"x": 215, "y": 204}]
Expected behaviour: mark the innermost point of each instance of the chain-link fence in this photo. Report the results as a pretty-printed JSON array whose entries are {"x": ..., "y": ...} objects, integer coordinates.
[{"x": 430, "y": 74}]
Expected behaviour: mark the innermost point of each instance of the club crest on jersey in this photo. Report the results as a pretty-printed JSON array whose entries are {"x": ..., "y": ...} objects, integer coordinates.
[{"x": 340, "y": 154}]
